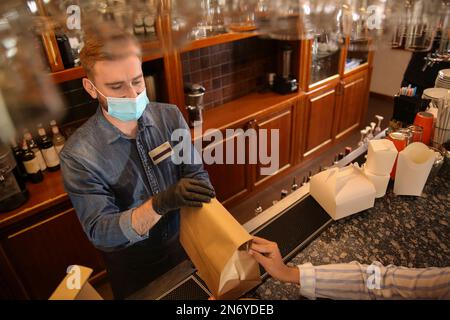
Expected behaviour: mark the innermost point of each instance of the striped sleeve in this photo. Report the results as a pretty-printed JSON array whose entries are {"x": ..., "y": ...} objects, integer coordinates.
[{"x": 363, "y": 282}]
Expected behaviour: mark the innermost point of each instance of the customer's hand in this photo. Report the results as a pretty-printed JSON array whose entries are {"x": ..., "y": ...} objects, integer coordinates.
[
  {"x": 268, "y": 255},
  {"x": 185, "y": 193}
]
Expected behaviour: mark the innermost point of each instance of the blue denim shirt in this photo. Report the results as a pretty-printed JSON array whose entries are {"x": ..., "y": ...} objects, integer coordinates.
[{"x": 105, "y": 181}]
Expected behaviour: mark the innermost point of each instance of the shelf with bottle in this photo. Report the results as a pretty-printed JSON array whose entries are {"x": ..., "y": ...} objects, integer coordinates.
[
  {"x": 152, "y": 47},
  {"x": 36, "y": 155}
]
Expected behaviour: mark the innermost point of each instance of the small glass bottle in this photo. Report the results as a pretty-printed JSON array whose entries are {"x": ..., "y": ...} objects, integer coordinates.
[
  {"x": 35, "y": 148},
  {"x": 31, "y": 164},
  {"x": 48, "y": 150},
  {"x": 58, "y": 138}
]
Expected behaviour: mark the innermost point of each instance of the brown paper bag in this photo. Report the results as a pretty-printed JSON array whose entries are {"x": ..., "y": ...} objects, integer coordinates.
[{"x": 218, "y": 247}]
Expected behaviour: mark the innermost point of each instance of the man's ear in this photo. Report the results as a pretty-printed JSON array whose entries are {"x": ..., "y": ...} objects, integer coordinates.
[{"x": 90, "y": 88}]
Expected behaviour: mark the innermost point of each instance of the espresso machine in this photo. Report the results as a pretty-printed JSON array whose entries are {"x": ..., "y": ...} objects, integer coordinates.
[
  {"x": 194, "y": 93},
  {"x": 285, "y": 83},
  {"x": 13, "y": 192}
]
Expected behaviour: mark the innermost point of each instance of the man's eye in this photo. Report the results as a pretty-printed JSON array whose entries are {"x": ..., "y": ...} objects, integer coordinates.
[
  {"x": 115, "y": 87},
  {"x": 135, "y": 83}
]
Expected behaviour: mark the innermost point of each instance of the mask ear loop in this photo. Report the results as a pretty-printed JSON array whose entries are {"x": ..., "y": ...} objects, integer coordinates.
[{"x": 96, "y": 88}]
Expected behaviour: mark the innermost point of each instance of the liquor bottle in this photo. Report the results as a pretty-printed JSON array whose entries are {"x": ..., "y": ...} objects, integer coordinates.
[
  {"x": 18, "y": 155},
  {"x": 138, "y": 26},
  {"x": 31, "y": 164},
  {"x": 58, "y": 138},
  {"x": 65, "y": 49},
  {"x": 149, "y": 25},
  {"x": 48, "y": 150},
  {"x": 35, "y": 148}
]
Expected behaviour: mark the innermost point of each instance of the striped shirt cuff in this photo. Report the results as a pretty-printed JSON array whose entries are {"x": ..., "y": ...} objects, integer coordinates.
[
  {"x": 307, "y": 281},
  {"x": 127, "y": 228}
]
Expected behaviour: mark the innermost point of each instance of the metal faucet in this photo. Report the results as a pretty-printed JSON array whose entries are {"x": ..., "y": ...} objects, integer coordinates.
[{"x": 378, "y": 128}]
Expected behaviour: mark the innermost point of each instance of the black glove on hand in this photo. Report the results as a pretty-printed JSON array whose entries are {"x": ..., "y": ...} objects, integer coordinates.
[{"x": 185, "y": 193}]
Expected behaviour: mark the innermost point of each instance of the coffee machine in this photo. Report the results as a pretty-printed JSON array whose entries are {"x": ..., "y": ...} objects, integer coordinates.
[
  {"x": 13, "y": 192},
  {"x": 194, "y": 102},
  {"x": 285, "y": 83}
]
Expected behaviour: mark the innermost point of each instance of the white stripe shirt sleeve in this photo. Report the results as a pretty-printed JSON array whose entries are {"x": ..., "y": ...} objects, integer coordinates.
[{"x": 356, "y": 281}]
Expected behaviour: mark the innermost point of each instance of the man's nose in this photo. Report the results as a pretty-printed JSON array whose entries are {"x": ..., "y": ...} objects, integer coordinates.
[{"x": 131, "y": 92}]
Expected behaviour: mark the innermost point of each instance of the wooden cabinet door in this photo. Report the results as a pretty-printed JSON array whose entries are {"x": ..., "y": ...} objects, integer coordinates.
[
  {"x": 319, "y": 116},
  {"x": 280, "y": 120},
  {"x": 41, "y": 253},
  {"x": 230, "y": 180},
  {"x": 351, "y": 103}
]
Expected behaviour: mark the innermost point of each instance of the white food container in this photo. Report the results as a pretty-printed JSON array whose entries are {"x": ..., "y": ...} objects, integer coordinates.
[
  {"x": 413, "y": 167},
  {"x": 381, "y": 156},
  {"x": 342, "y": 192}
]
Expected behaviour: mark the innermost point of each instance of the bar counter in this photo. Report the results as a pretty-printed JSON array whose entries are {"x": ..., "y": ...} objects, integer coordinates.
[{"x": 400, "y": 230}]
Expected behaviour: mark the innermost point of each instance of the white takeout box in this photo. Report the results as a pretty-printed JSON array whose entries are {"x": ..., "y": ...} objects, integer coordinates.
[
  {"x": 379, "y": 182},
  {"x": 413, "y": 167},
  {"x": 342, "y": 191},
  {"x": 381, "y": 156}
]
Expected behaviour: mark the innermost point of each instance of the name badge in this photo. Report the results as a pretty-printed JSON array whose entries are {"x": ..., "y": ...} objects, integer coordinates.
[{"x": 161, "y": 153}]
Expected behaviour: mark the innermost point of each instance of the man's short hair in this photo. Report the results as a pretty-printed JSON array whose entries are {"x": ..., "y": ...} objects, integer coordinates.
[{"x": 108, "y": 44}]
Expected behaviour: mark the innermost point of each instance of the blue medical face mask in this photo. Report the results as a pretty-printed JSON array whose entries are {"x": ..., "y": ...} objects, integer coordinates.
[{"x": 126, "y": 109}]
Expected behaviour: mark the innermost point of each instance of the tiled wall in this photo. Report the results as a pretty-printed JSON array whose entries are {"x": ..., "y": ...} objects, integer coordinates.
[
  {"x": 230, "y": 70},
  {"x": 79, "y": 105}
]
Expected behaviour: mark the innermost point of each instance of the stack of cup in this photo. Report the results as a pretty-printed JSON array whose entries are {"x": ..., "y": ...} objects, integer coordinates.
[
  {"x": 425, "y": 120},
  {"x": 380, "y": 160}
]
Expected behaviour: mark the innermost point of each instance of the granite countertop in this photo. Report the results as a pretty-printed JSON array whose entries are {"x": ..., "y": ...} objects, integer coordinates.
[{"x": 400, "y": 230}]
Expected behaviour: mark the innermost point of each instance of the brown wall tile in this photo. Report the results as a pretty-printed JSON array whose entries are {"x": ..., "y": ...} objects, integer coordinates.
[{"x": 230, "y": 70}]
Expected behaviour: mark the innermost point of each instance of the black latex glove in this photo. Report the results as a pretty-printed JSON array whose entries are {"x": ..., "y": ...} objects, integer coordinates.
[{"x": 185, "y": 193}]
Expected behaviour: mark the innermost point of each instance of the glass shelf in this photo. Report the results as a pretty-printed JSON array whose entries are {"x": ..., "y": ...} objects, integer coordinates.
[{"x": 325, "y": 58}]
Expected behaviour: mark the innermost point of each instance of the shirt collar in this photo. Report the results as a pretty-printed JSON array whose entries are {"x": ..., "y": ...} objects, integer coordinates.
[{"x": 112, "y": 133}]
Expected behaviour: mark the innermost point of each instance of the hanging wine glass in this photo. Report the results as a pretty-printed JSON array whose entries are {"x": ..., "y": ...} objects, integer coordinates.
[
  {"x": 422, "y": 25},
  {"x": 184, "y": 17},
  {"x": 399, "y": 28},
  {"x": 291, "y": 20},
  {"x": 216, "y": 17},
  {"x": 240, "y": 15},
  {"x": 324, "y": 15},
  {"x": 27, "y": 94},
  {"x": 211, "y": 21},
  {"x": 264, "y": 10},
  {"x": 366, "y": 23},
  {"x": 444, "y": 23}
]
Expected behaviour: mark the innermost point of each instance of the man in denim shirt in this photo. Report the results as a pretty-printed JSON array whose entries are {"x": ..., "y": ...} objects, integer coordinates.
[{"x": 116, "y": 168}]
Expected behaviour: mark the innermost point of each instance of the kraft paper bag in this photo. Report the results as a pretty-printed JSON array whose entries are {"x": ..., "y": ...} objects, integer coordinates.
[
  {"x": 413, "y": 167},
  {"x": 218, "y": 247}
]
